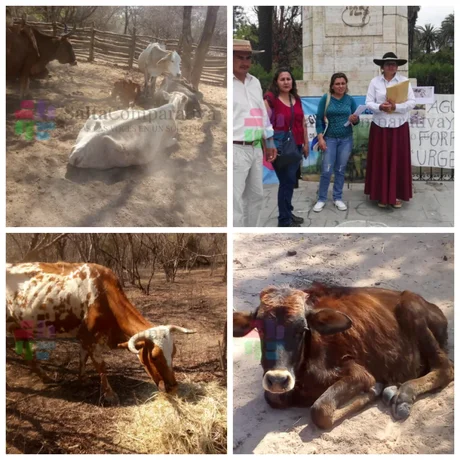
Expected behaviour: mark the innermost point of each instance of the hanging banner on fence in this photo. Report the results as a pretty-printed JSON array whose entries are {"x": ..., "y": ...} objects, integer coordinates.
[
  {"x": 432, "y": 138},
  {"x": 432, "y": 133},
  {"x": 424, "y": 94}
]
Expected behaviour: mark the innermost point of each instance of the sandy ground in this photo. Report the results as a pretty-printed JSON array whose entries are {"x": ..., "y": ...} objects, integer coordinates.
[
  {"x": 67, "y": 416},
  {"x": 421, "y": 263},
  {"x": 186, "y": 186}
]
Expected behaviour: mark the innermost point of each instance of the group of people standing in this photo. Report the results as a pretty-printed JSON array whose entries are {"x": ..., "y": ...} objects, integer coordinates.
[{"x": 261, "y": 121}]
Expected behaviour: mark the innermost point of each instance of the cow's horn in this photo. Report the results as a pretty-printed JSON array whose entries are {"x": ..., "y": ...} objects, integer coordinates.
[
  {"x": 144, "y": 335},
  {"x": 173, "y": 328},
  {"x": 67, "y": 35}
]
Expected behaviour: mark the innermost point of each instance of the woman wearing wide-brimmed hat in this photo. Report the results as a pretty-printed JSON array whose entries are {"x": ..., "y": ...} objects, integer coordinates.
[{"x": 388, "y": 174}]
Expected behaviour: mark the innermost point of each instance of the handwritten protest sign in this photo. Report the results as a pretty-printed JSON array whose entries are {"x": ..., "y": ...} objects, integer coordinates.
[{"x": 432, "y": 133}]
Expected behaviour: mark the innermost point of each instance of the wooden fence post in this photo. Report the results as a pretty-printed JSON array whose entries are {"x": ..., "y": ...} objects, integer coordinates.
[
  {"x": 132, "y": 49},
  {"x": 54, "y": 29},
  {"x": 91, "y": 44}
]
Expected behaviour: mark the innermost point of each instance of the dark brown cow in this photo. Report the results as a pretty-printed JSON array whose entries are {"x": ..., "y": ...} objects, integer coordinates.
[
  {"x": 86, "y": 302},
  {"x": 336, "y": 348},
  {"x": 28, "y": 51}
]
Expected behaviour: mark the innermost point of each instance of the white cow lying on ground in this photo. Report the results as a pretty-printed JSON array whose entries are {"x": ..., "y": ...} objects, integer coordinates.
[
  {"x": 127, "y": 137},
  {"x": 155, "y": 61}
]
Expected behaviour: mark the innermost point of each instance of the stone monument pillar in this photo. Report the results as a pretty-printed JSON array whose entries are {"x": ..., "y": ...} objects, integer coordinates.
[{"x": 347, "y": 39}]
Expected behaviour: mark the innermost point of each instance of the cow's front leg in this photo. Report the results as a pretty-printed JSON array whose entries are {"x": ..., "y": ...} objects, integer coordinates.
[
  {"x": 153, "y": 84},
  {"x": 106, "y": 390},
  {"x": 441, "y": 374},
  {"x": 83, "y": 359},
  {"x": 346, "y": 396},
  {"x": 23, "y": 86}
]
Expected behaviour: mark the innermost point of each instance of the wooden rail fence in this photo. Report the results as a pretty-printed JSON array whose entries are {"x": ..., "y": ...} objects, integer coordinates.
[{"x": 96, "y": 45}]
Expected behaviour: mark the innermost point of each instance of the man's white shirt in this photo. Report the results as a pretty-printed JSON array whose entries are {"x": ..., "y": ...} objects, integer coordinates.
[{"x": 250, "y": 117}]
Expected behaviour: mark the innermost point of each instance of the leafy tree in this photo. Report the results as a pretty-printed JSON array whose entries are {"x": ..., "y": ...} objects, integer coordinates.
[
  {"x": 446, "y": 33},
  {"x": 427, "y": 37},
  {"x": 287, "y": 36},
  {"x": 239, "y": 18}
]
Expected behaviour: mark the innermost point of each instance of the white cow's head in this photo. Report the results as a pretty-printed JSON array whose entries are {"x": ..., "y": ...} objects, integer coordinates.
[
  {"x": 156, "y": 352},
  {"x": 170, "y": 64}
]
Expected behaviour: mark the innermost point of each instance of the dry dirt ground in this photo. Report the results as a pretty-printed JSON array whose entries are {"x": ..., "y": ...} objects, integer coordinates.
[
  {"x": 67, "y": 416},
  {"x": 421, "y": 263},
  {"x": 186, "y": 186}
]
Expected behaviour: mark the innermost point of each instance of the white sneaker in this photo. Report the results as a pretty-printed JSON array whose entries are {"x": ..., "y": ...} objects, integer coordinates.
[
  {"x": 340, "y": 205},
  {"x": 319, "y": 206}
]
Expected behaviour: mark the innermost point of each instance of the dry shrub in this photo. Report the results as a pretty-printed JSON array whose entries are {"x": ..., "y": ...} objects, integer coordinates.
[{"x": 192, "y": 422}]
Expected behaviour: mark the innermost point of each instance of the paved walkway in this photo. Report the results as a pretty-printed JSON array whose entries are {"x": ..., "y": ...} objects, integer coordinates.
[{"x": 431, "y": 206}]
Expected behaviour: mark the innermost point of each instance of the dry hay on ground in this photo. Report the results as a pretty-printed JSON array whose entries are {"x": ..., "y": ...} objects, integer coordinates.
[
  {"x": 193, "y": 422},
  {"x": 186, "y": 186}
]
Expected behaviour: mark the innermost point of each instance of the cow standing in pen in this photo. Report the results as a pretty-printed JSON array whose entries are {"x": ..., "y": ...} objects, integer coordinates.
[
  {"x": 86, "y": 302},
  {"x": 337, "y": 348},
  {"x": 28, "y": 51},
  {"x": 154, "y": 61}
]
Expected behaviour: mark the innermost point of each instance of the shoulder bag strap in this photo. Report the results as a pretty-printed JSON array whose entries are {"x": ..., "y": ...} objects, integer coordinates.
[
  {"x": 292, "y": 113},
  {"x": 328, "y": 100}
]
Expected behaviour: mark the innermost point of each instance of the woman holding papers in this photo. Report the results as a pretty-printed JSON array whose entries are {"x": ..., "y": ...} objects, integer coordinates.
[
  {"x": 390, "y": 97},
  {"x": 285, "y": 111},
  {"x": 335, "y": 140}
]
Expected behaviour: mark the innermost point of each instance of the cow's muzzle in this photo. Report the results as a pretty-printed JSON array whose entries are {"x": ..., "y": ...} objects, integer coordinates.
[
  {"x": 279, "y": 381},
  {"x": 168, "y": 388}
]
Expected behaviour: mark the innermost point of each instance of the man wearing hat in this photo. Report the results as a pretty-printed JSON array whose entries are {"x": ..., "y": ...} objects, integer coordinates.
[
  {"x": 251, "y": 126},
  {"x": 389, "y": 170}
]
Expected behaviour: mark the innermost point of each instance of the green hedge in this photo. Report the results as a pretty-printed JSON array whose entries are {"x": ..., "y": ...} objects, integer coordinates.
[
  {"x": 434, "y": 69},
  {"x": 266, "y": 77}
]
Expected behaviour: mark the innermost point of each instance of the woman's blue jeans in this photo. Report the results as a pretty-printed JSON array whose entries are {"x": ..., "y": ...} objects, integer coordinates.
[
  {"x": 335, "y": 160},
  {"x": 287, "y": 177}
]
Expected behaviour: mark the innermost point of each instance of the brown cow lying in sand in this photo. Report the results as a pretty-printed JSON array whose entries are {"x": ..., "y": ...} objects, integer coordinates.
[{"x": 338, "y": 348}]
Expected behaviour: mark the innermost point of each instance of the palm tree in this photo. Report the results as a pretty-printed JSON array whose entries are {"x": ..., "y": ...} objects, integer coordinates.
[
  {"x": 427, "y": 37},
  {"x": 446, "y": 33}
]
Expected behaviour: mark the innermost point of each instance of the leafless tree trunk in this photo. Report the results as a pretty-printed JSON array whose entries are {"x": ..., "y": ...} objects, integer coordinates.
[
  {"x": 185, "y": 43},
  {"x": 120, "y": 251},
  {"x": 265, "y": 16},
  {"x": 40, "y": 243},
  {"x": 126, "y": 19},
  {"x": 224, "y": 348},
  {"x": 135, "y": 261},
  {"x": 203, "y": 46},
  {"x": 153, "y": 247}
]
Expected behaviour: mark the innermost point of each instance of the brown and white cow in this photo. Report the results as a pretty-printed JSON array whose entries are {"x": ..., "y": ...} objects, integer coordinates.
[
  {"x": 87, "y": 302},
  {"x": 28, "y": 51},
  {"x": 336, "y": 348}
]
